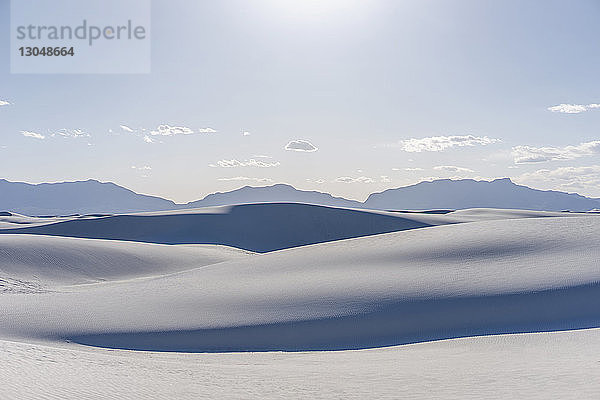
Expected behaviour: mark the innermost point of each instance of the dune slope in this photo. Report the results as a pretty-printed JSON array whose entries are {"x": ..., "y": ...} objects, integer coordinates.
[
  {"x": 557, "y": 365},
  {"x": 518, "y": 275},
  {"x": 242, "y": 226},
  {"x": 31, "y": 263}
]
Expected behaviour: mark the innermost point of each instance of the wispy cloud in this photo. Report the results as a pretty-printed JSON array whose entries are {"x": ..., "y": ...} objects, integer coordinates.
[
  {"x": 408, "y": 169},
  {"x": 143, "y": 168},
  {"x": 452, "y": 168},
  {"x": 246, "y": 133},
  {"x": 207, "y": 130},
  {"x": 301, "y": 145},
  {"x": 34, "y": 135},
  {"x": 4, "y": 103},
  {"x": 70, "y": 133},
  {"x": 441, "y": 143},
  {"x": 349, "y": 179},
  {"x": 167, "y": 130},
  {"x": 142, "y": 133},
  {"x": 247, "y": 163},
  {"x": 565, "y": 178},
  {"x": 573, "y": 108},
  {"x": 246, "y": 178},
  {"x": 148, "y": 135},
  {"x": 529, "y": 154},
  {"x": 148, "y": 139}
]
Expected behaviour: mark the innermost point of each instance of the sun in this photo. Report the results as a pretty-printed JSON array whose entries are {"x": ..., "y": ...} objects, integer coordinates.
[{"x": 316, "y": 8}]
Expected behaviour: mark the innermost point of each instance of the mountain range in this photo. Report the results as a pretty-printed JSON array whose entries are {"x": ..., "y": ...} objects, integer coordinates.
[{"x": 92, "y": 196}]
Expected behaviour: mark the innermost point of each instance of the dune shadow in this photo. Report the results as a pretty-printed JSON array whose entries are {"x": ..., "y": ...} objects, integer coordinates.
[
  {"x": 255, "y": 227},
  {"x": 390, "y": 324}
]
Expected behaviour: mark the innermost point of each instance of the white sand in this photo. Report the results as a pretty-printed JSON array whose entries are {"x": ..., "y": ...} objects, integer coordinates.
[
  {"x": 445, "y": 281},
  {"x": 560, "y": 365},
  {"x": 527, "y": 273},
  {"x": 49, "y": 261},
  {"x": 254, "y": 227}
]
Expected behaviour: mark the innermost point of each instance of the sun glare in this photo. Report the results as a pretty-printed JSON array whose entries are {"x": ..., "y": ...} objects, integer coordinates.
[{"x": 316, "y": 8}]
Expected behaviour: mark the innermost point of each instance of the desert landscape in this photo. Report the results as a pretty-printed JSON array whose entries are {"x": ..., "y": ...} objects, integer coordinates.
[
  {"x": 299, "y": 199},
  {"x": 321, "y": 302}
]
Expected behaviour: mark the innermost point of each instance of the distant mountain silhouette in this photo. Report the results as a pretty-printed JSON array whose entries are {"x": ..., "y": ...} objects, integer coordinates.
[
  {"x": 468, "y": 193},
  {"x": 91, "y": 196},
  {"x": 273, "y": 194},
  {"x": 82, "y": 197}
]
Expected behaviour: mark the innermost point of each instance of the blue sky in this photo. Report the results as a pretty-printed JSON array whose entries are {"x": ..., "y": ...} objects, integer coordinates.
[{"x": 382, "y": 93}]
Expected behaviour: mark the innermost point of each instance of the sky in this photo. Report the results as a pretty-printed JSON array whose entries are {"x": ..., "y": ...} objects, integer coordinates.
[{"x": 348, "y": 97}]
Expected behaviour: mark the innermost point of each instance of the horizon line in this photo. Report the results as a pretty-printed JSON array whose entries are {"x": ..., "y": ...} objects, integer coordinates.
[{"x": 271, "y": 184}]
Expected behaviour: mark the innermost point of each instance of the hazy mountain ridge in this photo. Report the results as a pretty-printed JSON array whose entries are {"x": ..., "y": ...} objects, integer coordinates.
[
  {"x": 270, "y": 194},
  {"x": 78, "y": 197},
  {"x": 468, "y": 193},
  {"x": 92, "y": 196}
]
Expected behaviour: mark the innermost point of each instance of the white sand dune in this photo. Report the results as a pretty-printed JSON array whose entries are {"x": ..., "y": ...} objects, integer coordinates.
[
  {"x": 10, "y": 220},
  {"x": 487, "y": 277},
  {"x": 47, "y": 262},
  {"x": 478, "y": 214},
  {"x": 243, "y": 226},
  {"x": 558, "y": 365},
  {"x": 70, "y": 306}
]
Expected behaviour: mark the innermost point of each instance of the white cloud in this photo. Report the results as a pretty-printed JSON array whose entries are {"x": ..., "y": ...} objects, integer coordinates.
[
  {"x": 440, "y": 143},
  {"x": 206, "y": 130},
  {"x": 300, "y": 145},
  {"x": 529, "y": 154},
  {"x": 144, "y": 168},
  {"x": 360, "y": 179},
  {"x": 70, "y": 133},
  {"x": 433, "y": 178},
  {"x": 586, "y": 179},
  {"x": 246, "y": 133},
  {"x": 4, "y": 103},
  {"x": 167, "y": 130},
  {"x": 408, "y": 169},
  {"x": 248, "y": 163},
  {"x": 456, "y": 178},
  {"x": 148, "y": 139},
  {"x": 385, "y": 179},
  {"x": 452, "y": 168},
  {"x": 64, "y": 133},
  {"x": 33, "y": 135},
  {"x": 246, "y": 178},
  {"x": 573, "y": 108}
]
